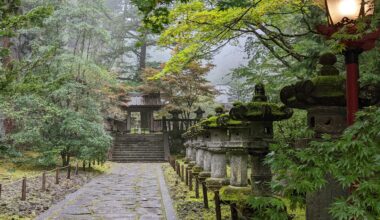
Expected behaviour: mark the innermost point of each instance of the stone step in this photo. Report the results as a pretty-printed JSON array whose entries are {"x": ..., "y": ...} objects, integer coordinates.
[
  {"x": 134, "y": 160},
  {"x": 138, "y": 144},
  {"x": 116, "y": 153},
  {"x": 137, "y": 158},
  {"x": 139, "y": 150},
  {"x": 135, "y": 135},
  {"x": 134, "y": 148},
  {"x": 139, "y": 155},
  {"x": 140, "y": 138},
  {"x": 137, "y": 147}
]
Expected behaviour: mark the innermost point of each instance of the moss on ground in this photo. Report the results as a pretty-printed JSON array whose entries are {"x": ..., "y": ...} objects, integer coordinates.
[
  {"x": 299, "y": 214},
  {"x": 12, "y": 170},
  {"x": 187, "y": 206},
  {"x": 15, "y": 169},
  {"x": 235, "y": 194},
  {"x": 190, "y": 208}
]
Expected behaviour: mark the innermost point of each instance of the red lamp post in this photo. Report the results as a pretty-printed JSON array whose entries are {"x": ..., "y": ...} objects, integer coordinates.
[{"x": 345, "y": 14}]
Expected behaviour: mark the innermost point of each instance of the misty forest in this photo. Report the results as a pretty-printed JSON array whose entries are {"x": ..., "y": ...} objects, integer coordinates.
[{"x": 190, "y": 109}]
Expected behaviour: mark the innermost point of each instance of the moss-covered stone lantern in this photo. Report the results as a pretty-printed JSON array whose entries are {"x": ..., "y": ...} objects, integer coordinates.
[
  {"x": 200, "y": 150},
  {"x": 324, "y": 99},
  {"x": 216, "y": 147},
  {"x": 206, "y": 172},
  {"x": 256, "y": 139},
  {"x": 217, "y": 137},
  {"x": 190, "y": 160},
  {"x": 187, "y": 136},
  {"x": 236, "y": 146}
]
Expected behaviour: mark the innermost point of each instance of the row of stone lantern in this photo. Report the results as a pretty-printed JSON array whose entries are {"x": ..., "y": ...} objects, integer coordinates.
[{"x": 248, "y": 130}]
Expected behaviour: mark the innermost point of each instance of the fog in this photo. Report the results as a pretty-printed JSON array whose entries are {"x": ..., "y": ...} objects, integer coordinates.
[{"x": 228, "y": 58}]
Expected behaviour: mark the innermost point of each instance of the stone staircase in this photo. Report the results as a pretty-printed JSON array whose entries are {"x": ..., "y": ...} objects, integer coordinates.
[{"x": 138, "y": 148}]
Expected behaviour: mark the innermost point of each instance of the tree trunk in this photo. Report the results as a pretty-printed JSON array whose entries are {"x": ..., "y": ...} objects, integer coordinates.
[
  {"x": 64, "y": 158},
  {"x": 142, "y": 58},
  {"x": 7, "y": 60}
]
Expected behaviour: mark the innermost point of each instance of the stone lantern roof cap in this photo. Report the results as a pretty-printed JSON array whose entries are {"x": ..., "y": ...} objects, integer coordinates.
[
  {"x": 199, "y": 111},
  {"x": 194, "y": 131},
  {"x": 326, "y": 89},
  {"x": 259, "y": 109},
  {"x": 221, "y": 121}
]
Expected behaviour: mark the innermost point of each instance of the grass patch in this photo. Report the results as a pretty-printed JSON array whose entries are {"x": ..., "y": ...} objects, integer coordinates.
[
  {"x": 190, "y": 208},
  {"x": 13, "y": 169},
  {"x": 187, "y": 206}
]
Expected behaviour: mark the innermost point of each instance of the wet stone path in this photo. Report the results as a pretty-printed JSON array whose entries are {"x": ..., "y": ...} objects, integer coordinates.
[{"x": 128, "y": 191}]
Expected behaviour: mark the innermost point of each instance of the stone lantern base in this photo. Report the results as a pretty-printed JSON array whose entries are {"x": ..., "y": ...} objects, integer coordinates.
[
  {"x": 233, "y": 194},
  {"x": 204, "y": 175},
  {"x": 237, "y": 198},
  {"x": 215, "y": 184},
  {"x": 197, "y": 170},
  {"x": 187, "y": 160},
  {"x": 192, "y": 164}
]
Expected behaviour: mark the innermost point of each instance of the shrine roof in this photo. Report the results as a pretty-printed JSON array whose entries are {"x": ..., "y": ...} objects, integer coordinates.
[{"x": 139, "y": 100}]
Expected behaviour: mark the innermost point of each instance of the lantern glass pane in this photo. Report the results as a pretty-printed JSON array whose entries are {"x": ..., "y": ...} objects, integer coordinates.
[{"x": 340, "y": 9}]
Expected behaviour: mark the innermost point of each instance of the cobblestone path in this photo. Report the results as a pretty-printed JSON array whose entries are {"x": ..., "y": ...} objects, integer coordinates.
[{"x": 128, "y": 191}]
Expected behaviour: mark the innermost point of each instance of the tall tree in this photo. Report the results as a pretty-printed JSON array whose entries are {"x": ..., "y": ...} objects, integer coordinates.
[
  {"x": 130, "y": 38},
  {"x": 183, "y": 91},
  {"x": 64, "y": 87}
]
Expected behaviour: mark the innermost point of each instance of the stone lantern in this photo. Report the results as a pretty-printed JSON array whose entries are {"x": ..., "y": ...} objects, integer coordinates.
[
  {"x": 324, "y": 99},
  {"x": 193, "y": 158},
  {"x": 200, "y": 150},
  {"x": 187, "y": 144},
  {"x": 206, "y": 173},
  {"x": 238, "y": 135},
  {"x": 216, "y": 146},
  {"x": 217, "y": 137},
  {"x": 199, "y": 113},
  {"x": 199, "y": 137},
  {"x": 256, "y": 139}
]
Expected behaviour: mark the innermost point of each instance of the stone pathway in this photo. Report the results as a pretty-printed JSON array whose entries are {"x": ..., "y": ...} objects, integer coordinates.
[{"x": 128, "y": 191}]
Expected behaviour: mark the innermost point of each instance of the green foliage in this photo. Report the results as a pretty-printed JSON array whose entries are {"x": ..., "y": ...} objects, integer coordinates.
[
  {"x": 353, "y": 160},
  {"x": 7, "y": 151},
  {"x": 283, "y": 47},
  {"x": 11, "y": 20},
  {"x": 182, "y": 91},
  {"x": 58, "y": 92},
  {"x": 269, "y": 208},
  {"x": 286, "y": 160},
  {"x": 156, "y": 13}
]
